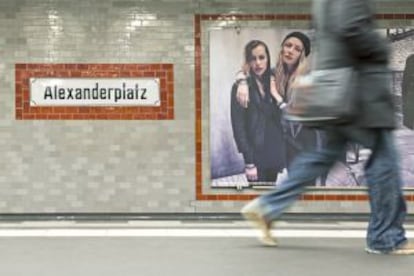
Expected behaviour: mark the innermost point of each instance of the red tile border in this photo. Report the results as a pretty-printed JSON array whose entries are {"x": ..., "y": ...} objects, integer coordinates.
[
  {"x": 165, "y": 72},
  {"x": 198, "y": 18}
]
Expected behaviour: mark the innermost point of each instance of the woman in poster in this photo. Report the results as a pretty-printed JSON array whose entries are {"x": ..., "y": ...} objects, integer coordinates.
[
  {"x": 292, "y": 62},
  {"x": 257, "y": 129}
]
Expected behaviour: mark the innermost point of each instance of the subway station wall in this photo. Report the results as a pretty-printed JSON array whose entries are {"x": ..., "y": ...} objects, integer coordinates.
[{"x": 131, "y": 160}]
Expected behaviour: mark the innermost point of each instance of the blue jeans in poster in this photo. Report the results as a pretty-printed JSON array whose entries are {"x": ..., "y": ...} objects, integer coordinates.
[{"x": 388, "y": 208}]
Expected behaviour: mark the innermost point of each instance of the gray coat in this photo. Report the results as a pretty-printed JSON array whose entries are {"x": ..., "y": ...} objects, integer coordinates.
[{"x": 346, "y": 36}]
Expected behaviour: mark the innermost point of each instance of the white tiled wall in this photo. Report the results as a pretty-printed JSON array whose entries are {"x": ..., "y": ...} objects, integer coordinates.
[{"x": 109, "y": 166}]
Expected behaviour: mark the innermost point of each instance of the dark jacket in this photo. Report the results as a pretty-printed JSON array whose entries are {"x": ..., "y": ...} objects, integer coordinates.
[
  {"x": 257, "y": 129},
  {"x": 346, "y": 36}
]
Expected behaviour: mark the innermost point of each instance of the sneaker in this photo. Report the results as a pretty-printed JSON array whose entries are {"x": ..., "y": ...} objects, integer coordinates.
[
  {"x": 406, "y": 249},
  {"x": 374, "y": 251},
  {"x": 252, "y": 212},
  {"x": 268, "y": 240}
]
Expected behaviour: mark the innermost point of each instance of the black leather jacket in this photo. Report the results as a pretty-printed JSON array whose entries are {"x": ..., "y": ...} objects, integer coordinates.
[{"x": 249, "y": 124}]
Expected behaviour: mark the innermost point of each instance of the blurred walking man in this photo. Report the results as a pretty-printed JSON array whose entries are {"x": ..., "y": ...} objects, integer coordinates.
[{"x": 345, "y": 33}]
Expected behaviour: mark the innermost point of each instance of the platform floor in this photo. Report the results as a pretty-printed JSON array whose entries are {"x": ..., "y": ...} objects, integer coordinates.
[{"x": 146, "y": 248}]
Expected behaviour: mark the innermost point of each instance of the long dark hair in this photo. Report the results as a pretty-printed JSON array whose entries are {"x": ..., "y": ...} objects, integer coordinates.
[{"x": 248, "y": 49}]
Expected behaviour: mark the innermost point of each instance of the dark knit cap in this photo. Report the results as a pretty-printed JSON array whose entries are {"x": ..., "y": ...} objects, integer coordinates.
[{"x": 302, "y": 37}]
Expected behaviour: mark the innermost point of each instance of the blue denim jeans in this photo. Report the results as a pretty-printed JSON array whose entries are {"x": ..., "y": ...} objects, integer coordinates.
[{"x": 388, "y": 208}]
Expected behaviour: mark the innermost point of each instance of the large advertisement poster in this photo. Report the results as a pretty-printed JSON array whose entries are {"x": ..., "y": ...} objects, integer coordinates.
[{"x": 257, "y": 136}]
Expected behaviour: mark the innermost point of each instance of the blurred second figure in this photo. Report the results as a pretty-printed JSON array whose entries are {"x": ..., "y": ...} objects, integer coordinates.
[{"x": 346, "y": 36}]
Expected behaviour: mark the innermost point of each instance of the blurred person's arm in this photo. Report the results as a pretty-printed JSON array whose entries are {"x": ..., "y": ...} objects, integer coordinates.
[{"x": 354, "y": 21}]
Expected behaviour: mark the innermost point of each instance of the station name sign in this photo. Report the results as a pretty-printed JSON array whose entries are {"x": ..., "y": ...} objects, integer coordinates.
[{"x": 94, "y": 92}]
